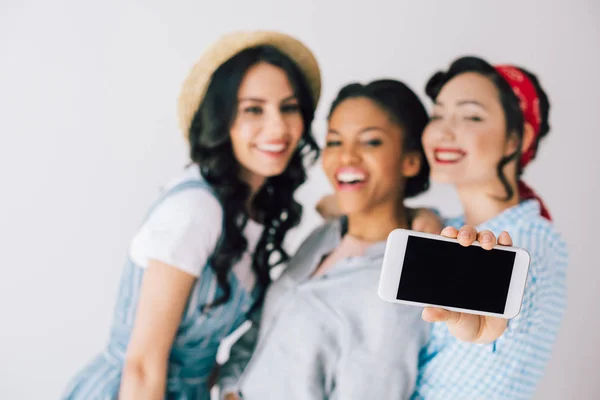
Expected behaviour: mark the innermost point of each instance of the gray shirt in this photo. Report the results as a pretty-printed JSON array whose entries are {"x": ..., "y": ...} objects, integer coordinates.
[{"x": 329, "y": 336}]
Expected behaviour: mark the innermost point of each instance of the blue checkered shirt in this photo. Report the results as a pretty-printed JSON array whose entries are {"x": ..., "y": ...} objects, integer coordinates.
[{"x": 512, "y": 366}]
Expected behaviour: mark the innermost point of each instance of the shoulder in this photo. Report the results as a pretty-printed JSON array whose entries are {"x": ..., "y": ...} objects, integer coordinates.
[
  {"x": 192, "y": 201},
  {"x": 189, "y": 205},
  {"x": 313, "y": 244},
  {"x": 316, "y": 237},
  {"x": 540, "y": 237},
  {"x": 182, "y": 228},
  {"x": 189, "y": 197}
]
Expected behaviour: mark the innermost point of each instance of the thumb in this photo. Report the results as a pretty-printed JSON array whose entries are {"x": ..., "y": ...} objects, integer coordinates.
[{"x": 432, "y": 314}]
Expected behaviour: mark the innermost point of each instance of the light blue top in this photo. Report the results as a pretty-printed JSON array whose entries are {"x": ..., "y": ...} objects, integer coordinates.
[
  {"x": 329, "y": 336},
  {"x": 511, "y": 367}
]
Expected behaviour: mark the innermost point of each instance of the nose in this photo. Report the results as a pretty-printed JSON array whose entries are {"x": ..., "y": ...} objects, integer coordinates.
[
  {"x": 349, "y": 154},
  {"x": 446, "y": 128},
  {"x": 275, "y": 124}
]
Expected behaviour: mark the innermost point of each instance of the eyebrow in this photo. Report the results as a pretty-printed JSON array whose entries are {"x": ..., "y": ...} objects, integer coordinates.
[
  {"x": 463, "y": 103},
  {"x": 259, "y": 100},
  {"x": 364, "y": 130}
]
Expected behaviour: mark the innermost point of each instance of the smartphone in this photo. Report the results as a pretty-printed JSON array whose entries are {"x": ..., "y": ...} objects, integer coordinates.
[{"x": 422, "y": 269}]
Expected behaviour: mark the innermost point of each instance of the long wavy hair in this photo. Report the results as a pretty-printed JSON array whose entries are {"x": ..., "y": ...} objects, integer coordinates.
[{"x": 211, "y": 149}]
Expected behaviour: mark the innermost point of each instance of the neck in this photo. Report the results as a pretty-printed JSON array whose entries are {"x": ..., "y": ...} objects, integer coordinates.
[
  {"x": 481, "y": 205},
  {"x": 375, "y": 225}
]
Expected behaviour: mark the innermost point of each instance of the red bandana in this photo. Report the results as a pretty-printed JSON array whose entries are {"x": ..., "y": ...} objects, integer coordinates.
[{"x": 530, "y": 106}]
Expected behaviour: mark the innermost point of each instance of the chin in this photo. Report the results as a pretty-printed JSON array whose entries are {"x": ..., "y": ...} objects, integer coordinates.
[
  {"x": 445, "y": 178},
  {"x": 271, "y": 172},
  {"x": 350, "y": 206}
]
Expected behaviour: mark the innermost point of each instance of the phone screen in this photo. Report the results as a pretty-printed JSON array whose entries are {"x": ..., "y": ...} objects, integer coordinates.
[{"x": 447, "y": 274}]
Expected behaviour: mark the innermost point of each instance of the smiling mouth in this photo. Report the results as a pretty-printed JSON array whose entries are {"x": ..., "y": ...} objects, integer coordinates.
[
  {"x": 448, "y": 156},
  {"x": 350, "y": 179},
  {"x": 273, "y": 149}
]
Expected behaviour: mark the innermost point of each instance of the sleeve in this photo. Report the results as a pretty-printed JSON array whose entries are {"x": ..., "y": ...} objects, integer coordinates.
[
  {"x": 544, "y": 299},
  {"x": 239, "y": 357},
  {"x": 515, "y": 363},
  {"x": 182, "y": 231}
]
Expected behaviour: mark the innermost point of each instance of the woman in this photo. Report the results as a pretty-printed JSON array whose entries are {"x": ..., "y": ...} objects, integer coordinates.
[
  {"x": 324, "y": 332},
  {"x": 201, "y": 259},
  {"x": 486, "y": 126}
]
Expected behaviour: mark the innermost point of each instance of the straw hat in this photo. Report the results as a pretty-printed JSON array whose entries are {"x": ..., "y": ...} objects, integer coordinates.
[{"x": 197, "y": 81}]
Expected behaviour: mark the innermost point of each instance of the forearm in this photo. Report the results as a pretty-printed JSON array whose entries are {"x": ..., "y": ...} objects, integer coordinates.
[{"x": 141, "y": 381}]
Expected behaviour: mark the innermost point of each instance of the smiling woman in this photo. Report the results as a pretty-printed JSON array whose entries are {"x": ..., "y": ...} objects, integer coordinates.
[
  {"x": 367, "y": 158},
  {"x": 268, "y": 125},
  {"x": 473, "y": 138},
  {"x": 486, "y": 127},
  {"x": 200, "y": 261},
  {"x": 324, "y": 332}
]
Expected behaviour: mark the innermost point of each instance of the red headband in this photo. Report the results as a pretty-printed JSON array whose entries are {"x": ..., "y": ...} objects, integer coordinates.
[{"x": 530, "y": 106}]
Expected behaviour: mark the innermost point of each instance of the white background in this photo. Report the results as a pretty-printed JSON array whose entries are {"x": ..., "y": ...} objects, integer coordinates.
[{"x": 87, "y": 121}]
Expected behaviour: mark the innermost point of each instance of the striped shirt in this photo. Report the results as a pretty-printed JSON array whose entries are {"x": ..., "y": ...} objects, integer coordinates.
[{"x": 512, "y": 366}]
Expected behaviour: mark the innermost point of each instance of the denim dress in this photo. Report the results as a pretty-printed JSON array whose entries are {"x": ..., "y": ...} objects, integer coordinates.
[{"x": 195, "y": 346}]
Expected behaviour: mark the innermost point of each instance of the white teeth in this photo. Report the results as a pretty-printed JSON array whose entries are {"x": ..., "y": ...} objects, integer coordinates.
[
  {"x": 350, "y": 177},
  {"x": 270, "y": 147},
  {"x": 448, "y": 155}
]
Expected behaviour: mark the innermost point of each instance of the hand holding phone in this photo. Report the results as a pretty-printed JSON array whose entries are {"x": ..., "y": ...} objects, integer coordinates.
[{"x": 462, "y": 278}]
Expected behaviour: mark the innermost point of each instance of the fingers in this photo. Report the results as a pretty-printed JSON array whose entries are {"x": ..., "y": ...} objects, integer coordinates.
[
  {"x": 486, "y": 239},
  {"x": 432, "y": 314},
  {"x": 449, "y": 232},
  {"x": 467, "y": 235},
  {"x": 504, "y": 239},
  {"x": 465, "y": 327}
]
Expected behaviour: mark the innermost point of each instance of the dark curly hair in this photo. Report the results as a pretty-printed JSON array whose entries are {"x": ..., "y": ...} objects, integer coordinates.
[
  {"x": 406, "y": 109},
  {"x": 211, "y": 149},
  {"x": 509, "y": 101}
]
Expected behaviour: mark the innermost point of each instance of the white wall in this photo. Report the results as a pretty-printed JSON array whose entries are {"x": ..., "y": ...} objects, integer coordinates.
[{"x": 88, "y": 128}]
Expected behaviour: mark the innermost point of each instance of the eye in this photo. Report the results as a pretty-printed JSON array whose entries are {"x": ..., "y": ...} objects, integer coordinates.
[
  {"x": 290, "y": 108},
  {"x": 256, "y": 110},
  {"x": 474, "y": 118},
  {"x": 333, "y": 143},
  {"x": 373, "y": 142},
  {"x": 435, "y": 117}
]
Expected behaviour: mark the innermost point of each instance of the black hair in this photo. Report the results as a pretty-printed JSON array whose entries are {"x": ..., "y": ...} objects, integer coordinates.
[
  {"x": 211, "y": 149},
  {"x": 509, "y": 101},
  {"x": 405, "y": 109}
]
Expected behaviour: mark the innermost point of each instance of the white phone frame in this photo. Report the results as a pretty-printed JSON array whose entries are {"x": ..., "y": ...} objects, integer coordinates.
[{"x": 393, "y": 262}]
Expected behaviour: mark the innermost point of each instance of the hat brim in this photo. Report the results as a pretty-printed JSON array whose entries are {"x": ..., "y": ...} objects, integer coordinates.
[{"x": 195, "y": 85}]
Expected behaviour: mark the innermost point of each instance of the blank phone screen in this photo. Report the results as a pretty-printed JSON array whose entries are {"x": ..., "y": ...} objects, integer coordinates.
[{"x": 447, "y": 274}]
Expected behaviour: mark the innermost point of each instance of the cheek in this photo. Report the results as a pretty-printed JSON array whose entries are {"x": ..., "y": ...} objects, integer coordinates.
[
  {"x": 328, "y": 163},
  {"x": 428, "y": 142},
  {"x": 295, "y": 127},
  {"x": 386, "y": 166},
  {"x": 486, "y": 147},
  {"x": 243, "y": 132}
]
